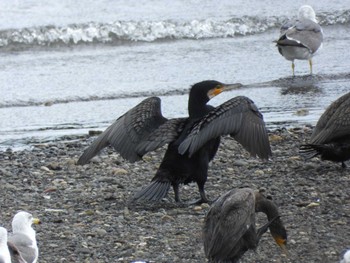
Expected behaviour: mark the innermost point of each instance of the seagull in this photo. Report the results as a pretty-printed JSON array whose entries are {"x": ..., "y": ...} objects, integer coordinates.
[
  {"x": 23, "y": 236},
  {"x": 301, "y": 38},
  {"x": 4, "y": 250},
  {"x": 346, "y": 257}
]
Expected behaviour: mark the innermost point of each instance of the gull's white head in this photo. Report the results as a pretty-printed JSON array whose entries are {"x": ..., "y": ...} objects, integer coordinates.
[
  {"x": 306, "y": 12},
  {"x": 22, "y": 223}
]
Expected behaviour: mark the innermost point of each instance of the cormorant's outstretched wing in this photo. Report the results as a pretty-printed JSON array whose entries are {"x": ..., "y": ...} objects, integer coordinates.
[
  {"x": 141, "y": 129},
  {"x": 227, "y": 221},
  {"x": 334, "y": 122},
  {"x": 165, "y": 133},
  {"x": 238, "y": 117}
]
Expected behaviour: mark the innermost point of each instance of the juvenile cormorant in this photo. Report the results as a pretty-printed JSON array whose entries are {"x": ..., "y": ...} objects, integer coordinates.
[
  {"x": 300, "y": 39},
  {"x": 192, "y": 141},
  {"x": 229, "y": 227},
  {"x": 331, "y": 136}
]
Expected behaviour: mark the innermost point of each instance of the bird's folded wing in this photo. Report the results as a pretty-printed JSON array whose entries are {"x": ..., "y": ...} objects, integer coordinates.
[
  {"x": 131, "y": 130},
  {"x": 304, "y": 33},
  {"x": 238, "y": 117},
  {"x": 227, "y": 221},
  {"x": 329, "y": 122},
  {"x": 24, "y": 245},
  {"x": 16, "y": 256},
  {"x": 337, "y": 126}
]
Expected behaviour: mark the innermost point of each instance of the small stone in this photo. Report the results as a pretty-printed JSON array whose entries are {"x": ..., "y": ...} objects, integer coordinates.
[
  {"x": 275, "y": 138},
  {"x": 197, "y": 208},
  {"x": 119, "y": 171}
]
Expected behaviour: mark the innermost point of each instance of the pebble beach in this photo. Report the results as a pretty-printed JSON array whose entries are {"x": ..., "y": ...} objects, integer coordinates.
[{"x": 87, "y": 217}]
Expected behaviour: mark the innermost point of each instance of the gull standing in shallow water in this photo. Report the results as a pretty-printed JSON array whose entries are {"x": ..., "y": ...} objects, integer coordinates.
[
  {"x": 302, "y": 38},
  {"x": 23, "y": 236}
]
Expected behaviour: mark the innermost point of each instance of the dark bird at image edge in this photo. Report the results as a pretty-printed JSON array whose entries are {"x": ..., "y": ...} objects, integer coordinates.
[
  {"x": 331, "y": 136},
  {"x": 192, "y": 141}
]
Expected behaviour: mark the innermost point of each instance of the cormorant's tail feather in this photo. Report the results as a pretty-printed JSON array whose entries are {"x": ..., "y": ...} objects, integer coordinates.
[
  {"x": 310, "y": 150},
  {"x": 155, "y": 191}
]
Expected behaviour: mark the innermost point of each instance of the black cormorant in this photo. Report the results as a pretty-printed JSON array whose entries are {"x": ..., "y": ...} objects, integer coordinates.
[
  {"x": 302, "y": 38},
  {"x": 331, "y": 136},
  {"x": 229, "y": 227},
  {"x": 192, "y": 141}
]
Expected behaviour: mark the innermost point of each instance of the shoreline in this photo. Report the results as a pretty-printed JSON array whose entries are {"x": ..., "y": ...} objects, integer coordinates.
[{"x": 86, "y": 216}]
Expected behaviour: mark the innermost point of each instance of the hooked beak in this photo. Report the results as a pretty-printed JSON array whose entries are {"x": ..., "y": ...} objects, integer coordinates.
[
  {"x": 224, "y": 87},
  {"x": 233, "y": 86},
  {"x": 281, "y": 242}
]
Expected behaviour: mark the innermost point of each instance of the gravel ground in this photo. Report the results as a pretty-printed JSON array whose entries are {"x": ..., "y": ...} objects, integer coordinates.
[{"x": 86, "y": 216}]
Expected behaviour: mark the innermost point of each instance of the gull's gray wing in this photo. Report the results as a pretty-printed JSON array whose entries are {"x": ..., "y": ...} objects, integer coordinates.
[
  {"x": 25, "y": 246},
  {"x": 228, "y": 219},
  {"x": 287, "y": 25},
  {"x": 16, "y": 256},
  {"x": 238, "y": 117},
  {"x": 305, "y": 33},
  {"x": 132, "y": 134}
]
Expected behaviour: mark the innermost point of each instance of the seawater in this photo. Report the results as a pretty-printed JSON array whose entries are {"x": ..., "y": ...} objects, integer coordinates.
[{"x": 91, "y": 63}]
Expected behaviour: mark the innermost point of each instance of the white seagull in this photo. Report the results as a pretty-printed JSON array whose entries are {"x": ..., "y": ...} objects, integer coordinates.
[
  {"x": 301, "y": 38},
  {"x": 4, "y": 250},
  {"x": 23, "y": 236}
]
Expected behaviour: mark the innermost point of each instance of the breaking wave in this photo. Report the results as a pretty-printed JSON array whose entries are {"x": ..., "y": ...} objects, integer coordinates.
[{"x": 146, "y": 31}]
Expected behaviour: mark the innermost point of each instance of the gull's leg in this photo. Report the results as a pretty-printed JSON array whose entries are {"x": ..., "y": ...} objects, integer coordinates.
[
  {"x": 293, "y": 66},
  {"x": 310, "y": 64}
]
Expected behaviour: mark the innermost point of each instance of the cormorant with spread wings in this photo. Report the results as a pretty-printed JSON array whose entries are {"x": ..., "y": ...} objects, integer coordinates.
[{"x": 192, "y": 141}]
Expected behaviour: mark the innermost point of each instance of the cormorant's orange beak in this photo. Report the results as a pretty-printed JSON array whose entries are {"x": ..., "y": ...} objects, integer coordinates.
[
  {"x": 281, "y": 242},
  {"x": 220, "y": 88}
]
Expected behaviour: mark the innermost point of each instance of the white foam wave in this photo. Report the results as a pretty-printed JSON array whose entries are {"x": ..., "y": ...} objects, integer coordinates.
[{"x": 149, "y": 31}]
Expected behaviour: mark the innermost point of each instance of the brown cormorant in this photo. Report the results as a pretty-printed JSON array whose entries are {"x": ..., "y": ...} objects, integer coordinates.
[
  {"x": 302, "y": 38},
  {"x": 331, "y": 136},
  {"x": 229, "y": 227},
  {"x": 192, "y": 141}
]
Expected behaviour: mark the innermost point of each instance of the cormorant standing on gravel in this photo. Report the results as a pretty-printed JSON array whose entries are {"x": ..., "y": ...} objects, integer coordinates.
[
  {"x": 331, "y": 136},
  {"x": 229, "y": 227},
  {"x": 192, "y": 141}
]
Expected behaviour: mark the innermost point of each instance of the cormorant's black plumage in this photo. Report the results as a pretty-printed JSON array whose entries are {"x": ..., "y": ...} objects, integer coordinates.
[
  {"x": 229, "y": 227},
  {"x": 331, "y": 136},
  {"x": 192, "y": 142}
]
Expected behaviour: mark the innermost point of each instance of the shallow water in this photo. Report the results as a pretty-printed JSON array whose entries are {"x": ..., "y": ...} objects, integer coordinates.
[{"x": 93, "y": 63}]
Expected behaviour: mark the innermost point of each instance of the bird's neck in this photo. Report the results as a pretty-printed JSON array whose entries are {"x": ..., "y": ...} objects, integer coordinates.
[
  {"x": 267, "y": 207},
  {"x": 24, "y": 230},
  {"x": 197, "y": 109}
]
